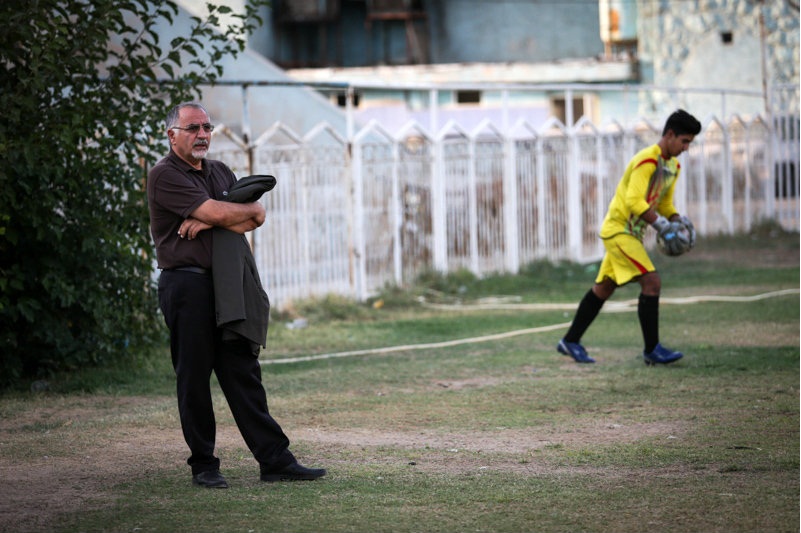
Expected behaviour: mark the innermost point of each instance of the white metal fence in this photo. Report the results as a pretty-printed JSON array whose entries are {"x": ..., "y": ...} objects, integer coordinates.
[{"x": 352, "y": 217}]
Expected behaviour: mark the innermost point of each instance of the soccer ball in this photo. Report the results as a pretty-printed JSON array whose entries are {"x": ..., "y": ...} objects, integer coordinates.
[{"x": 676, "y": 241}]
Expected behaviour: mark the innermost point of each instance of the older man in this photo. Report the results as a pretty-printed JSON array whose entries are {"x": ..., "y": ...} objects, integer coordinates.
[{"x": 186, "y": 195}]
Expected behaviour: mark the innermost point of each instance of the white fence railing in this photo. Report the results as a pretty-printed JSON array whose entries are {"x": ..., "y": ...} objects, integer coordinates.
[{"x": 352, "y": 217}]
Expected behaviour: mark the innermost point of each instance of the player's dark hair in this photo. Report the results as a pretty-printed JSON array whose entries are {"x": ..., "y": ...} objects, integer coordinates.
[{"x": 681, "y": 123}]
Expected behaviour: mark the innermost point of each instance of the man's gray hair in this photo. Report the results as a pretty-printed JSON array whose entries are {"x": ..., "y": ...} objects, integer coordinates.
[{"x": 172, "y": 116}]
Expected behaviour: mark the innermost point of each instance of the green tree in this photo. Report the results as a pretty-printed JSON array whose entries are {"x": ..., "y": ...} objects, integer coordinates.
[{"x": 82, "y": 119}]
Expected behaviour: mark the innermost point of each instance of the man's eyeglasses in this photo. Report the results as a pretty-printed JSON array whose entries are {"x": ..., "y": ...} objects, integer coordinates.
[{"x": 194, "y": 128}]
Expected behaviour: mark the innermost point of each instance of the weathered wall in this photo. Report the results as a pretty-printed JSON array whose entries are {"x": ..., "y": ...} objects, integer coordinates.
[
  {"x": 512, "y": 30},
  {"x": 681, "y": 44}
]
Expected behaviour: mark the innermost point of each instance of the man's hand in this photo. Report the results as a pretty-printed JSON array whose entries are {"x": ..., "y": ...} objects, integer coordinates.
[
  {"x": 243, "y": 227},
  {"x": 191, "y": 227},
  {"x": 260, "y": 216}
]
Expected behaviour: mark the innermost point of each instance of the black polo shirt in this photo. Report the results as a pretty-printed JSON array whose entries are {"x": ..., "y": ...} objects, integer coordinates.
[{"x": 174, "y": 190}]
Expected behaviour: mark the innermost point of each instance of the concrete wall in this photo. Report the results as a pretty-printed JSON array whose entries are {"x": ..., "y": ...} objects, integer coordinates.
[{"x": 682, "y": 44}]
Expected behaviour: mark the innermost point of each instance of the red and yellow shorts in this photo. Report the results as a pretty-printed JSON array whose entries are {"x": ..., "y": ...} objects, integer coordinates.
[{"x": 625, "y": 260}]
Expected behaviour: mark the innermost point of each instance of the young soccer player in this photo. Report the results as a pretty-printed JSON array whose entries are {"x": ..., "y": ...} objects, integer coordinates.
[{"x": 644, "y": 196}]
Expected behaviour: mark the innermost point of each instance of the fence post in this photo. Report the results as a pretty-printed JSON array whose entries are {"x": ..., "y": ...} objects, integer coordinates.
[
  {"x": 510, "y": 224},
  {"x": 438, "y": 214},
  {"x": 601, "y": 201},
  {"x": 397, "y": 217},
  {"x": 748, "y": 179},
  {"x": 246, "y": 133},
  {"x": 472, "y": 209},
  {"x": 304, "y": 217},
  {"x": 703, "y": 206},
  {"x": 349, "y": 120},
  {"x": 575, "y": 220},
  {"x": 771, "y": 184},
  {"x": 358, "y": 222},
  {"x": 433, "y": 111},
  {"x": 727, "y": 187},
  {"x": 543, "y": 249}
]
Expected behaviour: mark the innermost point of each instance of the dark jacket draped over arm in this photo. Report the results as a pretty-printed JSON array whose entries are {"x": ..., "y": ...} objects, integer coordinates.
[{"x": 243, "y": 308}]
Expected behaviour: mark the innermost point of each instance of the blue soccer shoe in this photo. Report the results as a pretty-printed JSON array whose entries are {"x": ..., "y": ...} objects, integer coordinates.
[
  {"x": 661, "y": 356},
  {"x": 574, "y": 350}
]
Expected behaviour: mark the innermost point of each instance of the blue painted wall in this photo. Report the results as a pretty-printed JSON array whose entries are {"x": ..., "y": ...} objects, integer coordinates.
[
  {"x": 512, "y": 30},
  {"x": 454, "y": 31}
]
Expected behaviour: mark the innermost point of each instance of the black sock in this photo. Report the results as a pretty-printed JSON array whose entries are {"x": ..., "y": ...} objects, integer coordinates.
[
  {"x": 588, "y": 309},
  {"x": 648, "y": 312}
]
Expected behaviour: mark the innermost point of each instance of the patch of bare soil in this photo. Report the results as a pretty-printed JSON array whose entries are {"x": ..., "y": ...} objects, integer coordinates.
[
  {"x": 462, "y": 449},
  {"x": 69, "y": 452}
]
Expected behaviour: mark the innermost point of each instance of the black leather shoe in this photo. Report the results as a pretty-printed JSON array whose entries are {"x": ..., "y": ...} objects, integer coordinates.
[
  {"x": 293, "y": 472},
  {"x": 211, "y": 479}
]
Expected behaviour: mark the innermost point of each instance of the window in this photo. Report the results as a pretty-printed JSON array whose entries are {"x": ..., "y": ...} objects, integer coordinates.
[
  {"x": 559, "y": 109},
  {"x": 342, "y": 99},
  {"x": 468, "y": 97}
]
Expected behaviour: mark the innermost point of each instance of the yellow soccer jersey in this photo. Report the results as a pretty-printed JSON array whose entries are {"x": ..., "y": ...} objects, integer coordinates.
[{"x": 648, "y": 182}]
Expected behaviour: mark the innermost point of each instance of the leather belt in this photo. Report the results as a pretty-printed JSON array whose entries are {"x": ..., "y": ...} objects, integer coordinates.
[{"x": 193, "y": 269}]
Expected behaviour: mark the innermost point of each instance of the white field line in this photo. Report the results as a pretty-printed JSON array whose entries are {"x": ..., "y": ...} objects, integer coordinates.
[{"x": 613, "y": 307}]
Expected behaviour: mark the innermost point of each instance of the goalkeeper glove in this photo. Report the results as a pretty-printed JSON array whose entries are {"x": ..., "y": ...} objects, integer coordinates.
[
  {"x": 669, "y": 233},
  {"x": 690, "y": 229},
  {"x": 661, "y": 224}
]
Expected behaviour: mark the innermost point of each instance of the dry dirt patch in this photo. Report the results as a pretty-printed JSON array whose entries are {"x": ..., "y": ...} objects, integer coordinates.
[{"x": 69, "y": 452}]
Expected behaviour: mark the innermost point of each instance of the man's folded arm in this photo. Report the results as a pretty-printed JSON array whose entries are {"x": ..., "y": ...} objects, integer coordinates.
[{"x": 233, "y": 216}]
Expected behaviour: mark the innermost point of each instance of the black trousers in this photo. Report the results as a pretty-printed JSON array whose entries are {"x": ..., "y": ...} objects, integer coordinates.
[{"x": 187, "y": 302}]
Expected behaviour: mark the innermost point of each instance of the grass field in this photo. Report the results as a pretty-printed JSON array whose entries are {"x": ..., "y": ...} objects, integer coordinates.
[{"x": 503, "y": 435}]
